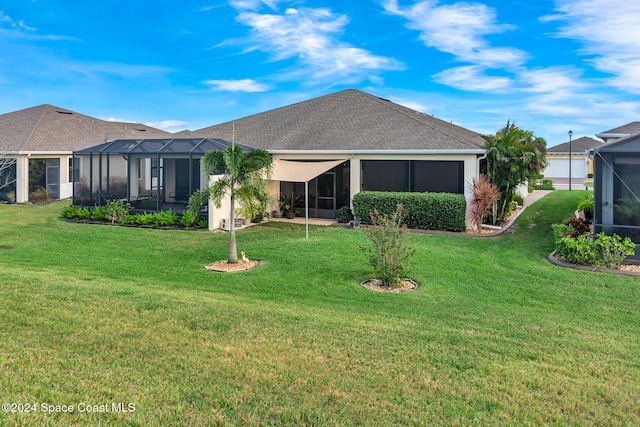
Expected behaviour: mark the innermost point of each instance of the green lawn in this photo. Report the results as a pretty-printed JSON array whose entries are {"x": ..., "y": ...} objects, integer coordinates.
[{"x": 495, "y": 335}]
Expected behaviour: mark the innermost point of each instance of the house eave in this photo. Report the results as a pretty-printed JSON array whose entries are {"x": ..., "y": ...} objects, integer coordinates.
[
  {"x": 347, "y": 153},
  {"x": 40, "y": 153},
  {"x": 611, "y": 135}
]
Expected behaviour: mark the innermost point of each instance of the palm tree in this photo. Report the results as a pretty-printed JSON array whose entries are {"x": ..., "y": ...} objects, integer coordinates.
[
  {"x": 243, "y": 175},
  {"x": 514, "y": 156}
]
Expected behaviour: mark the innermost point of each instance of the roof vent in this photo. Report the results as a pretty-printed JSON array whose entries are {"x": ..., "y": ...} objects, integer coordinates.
[
  {"x": 64, "y": 112},
  {"x": 141, "y": 129}
]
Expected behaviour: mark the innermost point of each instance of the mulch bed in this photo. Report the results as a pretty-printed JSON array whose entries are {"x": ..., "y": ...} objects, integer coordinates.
[
  {"x": 376, "y": 285},
  {"x": 225, "y": 267}
]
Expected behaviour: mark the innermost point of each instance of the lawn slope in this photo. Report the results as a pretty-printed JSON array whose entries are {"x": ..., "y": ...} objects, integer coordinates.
[{"x": 495, "y": 334}]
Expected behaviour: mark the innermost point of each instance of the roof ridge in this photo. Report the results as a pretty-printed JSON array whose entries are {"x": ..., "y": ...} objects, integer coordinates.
[{"x": 390, "y": 104}]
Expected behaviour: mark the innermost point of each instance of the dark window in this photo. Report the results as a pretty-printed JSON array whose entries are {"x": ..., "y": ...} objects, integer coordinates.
[
  {"x": 435, "y": 176},
  {"x": 385, "y": 175}
]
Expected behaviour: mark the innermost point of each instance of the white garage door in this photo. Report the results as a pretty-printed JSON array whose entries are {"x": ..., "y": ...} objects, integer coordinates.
[{"x": 559, "y": 168}]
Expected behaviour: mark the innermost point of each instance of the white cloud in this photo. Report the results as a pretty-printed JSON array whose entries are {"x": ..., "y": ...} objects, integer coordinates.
[
  {"x": 472, "y": 78},
  {"x": 609, "y": 32},
  {"x": 6, "y": 21},
  {"x": 253, "y": 4},
  {"x": 242, "y": 85},
  {"x": 311, "y": 36},
  {"x": 459, "y": 29},
  {"x": 410, "y": 104},
  {"x": 167, "y": 124},
  {"x": 554, "y": 79},
  {"x": 129, "y": 71}
]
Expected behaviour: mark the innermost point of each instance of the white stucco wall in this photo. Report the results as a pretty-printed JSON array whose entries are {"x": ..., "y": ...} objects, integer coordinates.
[{"x": 355, "y": 178}]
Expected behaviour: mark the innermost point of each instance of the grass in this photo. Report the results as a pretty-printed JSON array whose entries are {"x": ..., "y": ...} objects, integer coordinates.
[{"x": 494, "y": 335}]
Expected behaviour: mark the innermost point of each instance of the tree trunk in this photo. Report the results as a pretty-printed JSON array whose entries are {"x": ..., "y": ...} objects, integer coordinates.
[{"x": 232, "y": 257}]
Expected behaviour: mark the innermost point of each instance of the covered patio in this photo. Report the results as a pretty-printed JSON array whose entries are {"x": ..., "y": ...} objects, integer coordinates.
[{"x": 151, "y": 174}]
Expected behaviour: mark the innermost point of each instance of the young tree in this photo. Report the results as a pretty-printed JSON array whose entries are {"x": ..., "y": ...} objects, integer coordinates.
[
  {"x": 514, "y": 156},
  {"x": 390, "y": 248},
  {"x": 7, "y": 173},
  {"x": 243, "y": 174}
]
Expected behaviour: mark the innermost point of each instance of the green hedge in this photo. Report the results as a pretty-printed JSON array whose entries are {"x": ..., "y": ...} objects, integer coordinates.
[{"x": 428, "y": 211}]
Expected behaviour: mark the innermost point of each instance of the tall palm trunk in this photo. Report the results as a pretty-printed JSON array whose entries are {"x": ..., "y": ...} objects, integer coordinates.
[{"x": 232, "y": 256}]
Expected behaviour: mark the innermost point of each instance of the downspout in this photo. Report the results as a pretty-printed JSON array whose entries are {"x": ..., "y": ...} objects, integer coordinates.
[{"x": 478, "y": 160}]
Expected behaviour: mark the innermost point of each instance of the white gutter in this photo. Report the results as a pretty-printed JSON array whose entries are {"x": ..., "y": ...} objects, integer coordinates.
[
  {"x": 348, "y": 153},
  {"x": 45, "y": 153}
]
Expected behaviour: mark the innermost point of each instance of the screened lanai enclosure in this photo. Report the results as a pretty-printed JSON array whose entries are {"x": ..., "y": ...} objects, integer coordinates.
[
  {"x": 617, "y": 189},
  {"x": 151, "y": 174}
]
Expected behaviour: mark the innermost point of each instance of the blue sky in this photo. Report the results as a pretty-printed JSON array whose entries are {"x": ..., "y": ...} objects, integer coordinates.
[{"x": 547, "y": 65}]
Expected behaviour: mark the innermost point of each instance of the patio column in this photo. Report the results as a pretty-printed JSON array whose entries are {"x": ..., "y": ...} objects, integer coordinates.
[{"x": 355, "y": 178}]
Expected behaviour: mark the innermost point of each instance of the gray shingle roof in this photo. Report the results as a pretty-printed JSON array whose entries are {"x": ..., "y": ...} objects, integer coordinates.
[
  {"x": 579, "y": 145},
  {"x": 626, "y": 145},
  {"x": 50, "y": 128},
  {"x": 346, "y": 120},
  {"x": 629, "y": 128}
]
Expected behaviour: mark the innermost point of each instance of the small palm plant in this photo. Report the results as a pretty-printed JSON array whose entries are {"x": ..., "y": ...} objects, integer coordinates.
[{"x": 243, "y": 175}]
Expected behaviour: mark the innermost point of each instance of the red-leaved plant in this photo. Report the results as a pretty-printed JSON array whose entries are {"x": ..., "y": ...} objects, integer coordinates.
[{"x": 484, "y": 197}]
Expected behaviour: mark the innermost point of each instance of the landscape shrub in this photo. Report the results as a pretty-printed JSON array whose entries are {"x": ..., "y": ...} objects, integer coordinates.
[
  {"x": 518, "y": 199},
  {"x": 165, "y": 218},
  {"x": 344, "y": 215},
  {"x": 129, "y": 220},
  {"x": 74, "y": 212},
  {"x": 578, "y": 225},
  {"x": 544, "y": 184},
  {"x": 613, "y": 249},
  {"x": 99, "y": 213},
  {"x": 145, "y": 218},
  {"x": 430, "y": 211},
  {"x": 188, "y": 219},
  {"x": 117, "y": 210},
  {"x": 40, "y": 196},
  {"x": 390, "y": 248},
  {"x": 577, "y": 250},
  {"x": 575, "y": 245}
]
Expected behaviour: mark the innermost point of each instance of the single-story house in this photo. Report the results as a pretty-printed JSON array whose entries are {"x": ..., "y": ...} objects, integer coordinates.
[
  {"x": 576, "y": 151},
  {"x": 42, "y": 140},
  {"x": 374, "y": 144},
  {"x": 617, "y": 188}
]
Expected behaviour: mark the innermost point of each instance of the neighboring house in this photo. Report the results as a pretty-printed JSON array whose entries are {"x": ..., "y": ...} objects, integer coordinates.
[
  {"x": 577, "y": 151},
  {"x": 617, "y": 188},
  {"x": 623, "y": 131},
  {"x": 374, "y": 144},
  {"x": 43, "y": 140}
]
